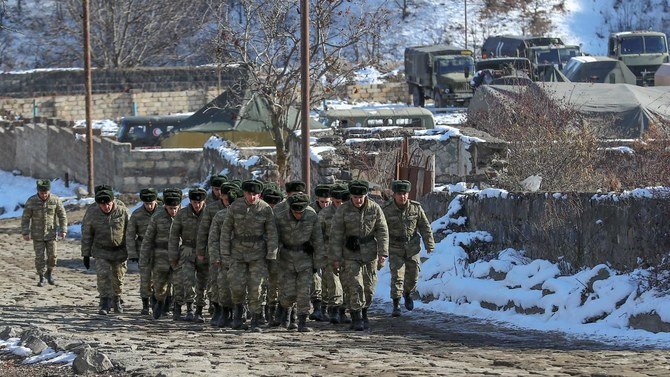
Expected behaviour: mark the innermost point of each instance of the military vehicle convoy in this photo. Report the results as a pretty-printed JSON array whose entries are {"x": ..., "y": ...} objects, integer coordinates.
[
  {"x": 642, "y": 51},
  {"x": 441, "y": 72}
]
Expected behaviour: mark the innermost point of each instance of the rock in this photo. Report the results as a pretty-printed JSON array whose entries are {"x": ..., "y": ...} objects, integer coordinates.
[
  {"x": 33, "y": 331},
  {"x": 602, "y": 274},
  {"x": 77, "y": 347},
  {"x": 497, "y": 275},
  {"x": 649, "y": 321},
  {"x": 529, "y": 311},
  {"x": 81, "y": 192},
  {"x": 91, "y": 361},
  {"x": 537, "y": 287},
  {"x": 546, "y": 292},
  {"x": 35, "y": 344},
  {"x": 53, "y": 342},
  {"x": 488, "y": 305},
  {"x": 9, "y": 332}
]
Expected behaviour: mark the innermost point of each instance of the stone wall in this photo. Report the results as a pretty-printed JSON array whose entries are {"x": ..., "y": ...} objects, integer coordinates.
[
  {"x": 580, "y": 228},
  {"x": 50, "y": 152},
  {"x": 223, "y": 157},
  {"x": 395, "y": 92}
]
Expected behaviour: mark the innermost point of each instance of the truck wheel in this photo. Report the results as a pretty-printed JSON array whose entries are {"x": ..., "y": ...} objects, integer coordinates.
[{"x": 417, "y": 96}]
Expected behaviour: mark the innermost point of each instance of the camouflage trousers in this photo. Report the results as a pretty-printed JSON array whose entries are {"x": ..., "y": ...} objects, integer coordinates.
[
  {"x": 220, "y": 289},
  {"x": 271, "y": 288},
  {"x": 41, "y": 248},
  {"x": 248, "y": 277},
  {"x": 332, "y": 288},
  {"x": 295, "y": 287},
  {"x": 404, "y": 274},
  {"x": 110, "y": 275},
  {"x": 316, "y": 286},
  {"x": 162, "y": 275},
  {"x": 194, "y": 277},
  {"x": 359, "y": 279},
  {"x": 145, "y": 282}
]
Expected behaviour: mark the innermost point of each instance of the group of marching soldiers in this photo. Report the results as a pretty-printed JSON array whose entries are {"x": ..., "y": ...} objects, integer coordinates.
[{"x": 261, "y": 257}]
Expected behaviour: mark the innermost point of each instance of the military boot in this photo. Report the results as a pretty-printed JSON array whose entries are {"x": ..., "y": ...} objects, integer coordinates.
[
  {"x": 50, "y": 277},
  {"x": 294, "y": 319},
  {"x": 255, "y": 322},
  {"x": 189, "y": 312},
  {"x": 197, "y": 318},
  {"x": 176, "y": 312},
  {"x": 334, "y": 314},
  {"x": 271, "y": 311},
  {"x": 158, "y": 309},
  {"x": 145, "y": 306},
  {"x": 262, "y": 316},
  {"x": 278, "y": 316},
  {"x": 237, "y": 318},
  {"x": 286, "y": 317},
  {"x": 40, "y": 283},
  {"x": 325, "y": 315},
  {"x": 343, "y": 315},
  {"x": 223, "y": 320},
  {"x": 316, "y": 313},
  {"x": 211, "y": 309},
  {"x": 356, "y": 320},
  {"x": 152, "y": 301},
  {"x": 167, "y": 308},
  {"x": 104, "y": 306},
  {"x": 118, "y": 304},
  {"x": 396, "y": 308},
  {"x": 302, "y": 323},
  {"x": 409, "y": 303},
  {"x": 364, "y": 317},
  {"x": 216, "y": 316},
  {"x": 228, "y": 318}
]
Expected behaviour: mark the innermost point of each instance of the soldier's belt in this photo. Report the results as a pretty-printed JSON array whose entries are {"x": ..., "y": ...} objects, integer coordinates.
[
  {"x": 161, "y": 245},
  {"x": 249, "y": 238},
  {"x": 294, "y": 247},
  {"x": 110, "y": 248},
  {"x": 404, "y": 239}
]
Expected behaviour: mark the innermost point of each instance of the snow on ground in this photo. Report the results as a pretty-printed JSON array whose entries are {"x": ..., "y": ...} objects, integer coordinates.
[
  {"x": 13, "y": 346},
  {"x": 107, "y": 126}
]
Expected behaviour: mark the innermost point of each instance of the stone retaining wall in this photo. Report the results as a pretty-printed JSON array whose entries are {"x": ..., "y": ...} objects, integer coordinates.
[{"x": 387, "y": 92}]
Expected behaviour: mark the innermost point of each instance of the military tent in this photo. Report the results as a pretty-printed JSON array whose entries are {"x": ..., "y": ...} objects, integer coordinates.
[{"x": 598, "y": 69}]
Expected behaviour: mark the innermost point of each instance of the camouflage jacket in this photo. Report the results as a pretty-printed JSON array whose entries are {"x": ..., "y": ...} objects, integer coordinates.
[
  {"x": 367, "y": 224},
  {"x": 207, "y": 216},
  {"x": 215, "y": 235},
  {"x": 103, "y": 235},
  {"x": 137, "y": 225},
  {"x": 249, "y": 232},
  {"x": 41, "y": 219},
  {"x": 316, "y": 207},
  {"x": 294, "y": 234},
  {"x": 183, "y": 233},
  {"x": 405, "y": 226},
  {"x": 325, "y": 221},
  {"x": 156, "y": 237},
  {"x": 211, "y": 199}
]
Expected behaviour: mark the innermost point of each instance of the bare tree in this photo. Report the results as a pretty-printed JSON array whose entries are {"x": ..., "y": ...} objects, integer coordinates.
[
  {"x": 264, "y": 35},
  {"x": 404, "y": 7},
  {"x": 533, "y": 15}
]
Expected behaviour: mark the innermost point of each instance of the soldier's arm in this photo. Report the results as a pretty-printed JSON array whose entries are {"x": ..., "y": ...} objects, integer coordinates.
[
  {"x": 337, "y": 235},
  {"x": 271, "y": 236},
  {"x": 424, "y": 229},
  {"x": 202, "y": 234},
  {"x": 147, "y": 246},
  {"x": 213, "y": 239},
  {"x": 316, "y": 238},
  {"x": 62, "y": 216},
  {"x": 226, "y": 235},
  {"x": 87, "y": 233},
  {"x": 381, "y": 232},
  {"x": 173, "y": 241},
  {"x": 131, "y": 233},
  {"x": 26, "y": 217}
]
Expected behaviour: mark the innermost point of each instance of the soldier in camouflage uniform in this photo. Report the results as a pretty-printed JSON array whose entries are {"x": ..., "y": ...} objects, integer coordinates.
[
  {"x": 94, "y": 207},
  {"x": 359, "y": 240},
  {"x": 406, "y": 221},
  {"x": 301, "y": 253},
  {"x": 191, "y": 272},
  {"x": 332, "y": 287},
  {"x": 249, "y": 239},
  {"x": 103, "y": 234},
  {"x": 272, "y": 195},
  {"x": 137, "y": 226},
  {"x": 223, "y": 301},
  {"x": 154, "y": 249},
  {"x": 215, "y": 182},
  {"x": 322, "y": 193},
  {"x": 43, "y": 217}
]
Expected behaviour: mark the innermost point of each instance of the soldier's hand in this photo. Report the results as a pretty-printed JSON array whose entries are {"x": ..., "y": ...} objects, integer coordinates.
[
  {"x": 26, "y": 237},
  {"x": 429, "y": 251},
  {"x": 87, "y": 262},
  {"x": 62, "y": 235},
  {"x": 201, "y": 258},
  {"x": 381, "y": 260},
  {"x": 217, "y": 263},
  {"x": 173, "y": 264},
  {"x": 336, "y": 266},
  {"x": 136, "y": 260}
]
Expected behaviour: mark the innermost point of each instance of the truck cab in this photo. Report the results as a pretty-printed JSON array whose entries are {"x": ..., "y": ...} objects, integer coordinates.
[
  {"x": 642, "y": 51},
  {"x": 451, "y": 75}
]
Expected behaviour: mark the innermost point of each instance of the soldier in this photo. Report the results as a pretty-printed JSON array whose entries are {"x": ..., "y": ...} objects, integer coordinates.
[
  {"x": 94, "y": 207},
  {"x": 190, "y": 272},
  {"x": 223, "y": 302},
  {"x": 43, "y": 218},
  {"x": 248, "y": 240},
  {"x": 272, "y": 195},
  {"x": 322, "y": 193},
  {"x": 406, "y": 221},
  {"x": 292, "y": 187},
  {"x": 137, "y": 225},
  {"x": 103, "y": 233},
  {"x": 301, "y": 253},
  {"x": 154, "y": 249},
  {"x": 332, "y": 287},
  {"x": 359, "y": 240},
  {"x": 215, "y": 182}
]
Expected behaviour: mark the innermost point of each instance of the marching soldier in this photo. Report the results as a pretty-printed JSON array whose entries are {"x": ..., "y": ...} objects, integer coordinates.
[
  {"x": 406, "y": 221},
  {"x": 94, "y": 207},
  {"x": 359, "y": 240},
  {"x": 103, "y": 238},
  {"x": 137, "y": 226},
  {"x": 191, "y": 273},
  {"x": 43, "y": 217},
  {"x": 215, "y": 182},
  {"x": 322, "y": 193},
  {"x": 154, "y": 249},
  {"x": 248, "y": 240},
  {"x": 272, "y": 196}
]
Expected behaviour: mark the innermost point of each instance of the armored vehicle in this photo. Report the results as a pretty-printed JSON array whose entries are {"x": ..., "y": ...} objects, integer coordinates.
[
  {"x": 642, "y": 51},
  {"x": 440, "y": 72}
]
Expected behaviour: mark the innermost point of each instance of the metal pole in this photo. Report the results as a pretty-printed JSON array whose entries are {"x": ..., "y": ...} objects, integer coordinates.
[
  {"x": 465, "y": 2},
  {"x": 304, "y": 91},
  {"x": 87, "y": 75}
]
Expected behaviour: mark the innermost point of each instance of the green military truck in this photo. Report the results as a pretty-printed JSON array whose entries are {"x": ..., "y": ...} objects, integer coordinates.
[
  {"x": 642, "y": 51},
  {"x": 440, "y": 72}
]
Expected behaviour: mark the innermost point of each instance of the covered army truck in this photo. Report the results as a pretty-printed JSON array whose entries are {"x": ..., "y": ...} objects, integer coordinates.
[
  {"x": 440, "y": 72},
  {"x": 542, "y": 52},
  {"x": 642, "y": 51}
]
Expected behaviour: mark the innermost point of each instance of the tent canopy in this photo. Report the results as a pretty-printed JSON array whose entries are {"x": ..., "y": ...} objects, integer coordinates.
[
  {"x": 628, "y": 108},
  {"x": 598, "y": 69}
]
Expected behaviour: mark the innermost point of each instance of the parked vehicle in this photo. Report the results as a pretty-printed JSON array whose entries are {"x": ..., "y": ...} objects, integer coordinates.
[
  {"x": 540, "y": 51},
  {"x": 148, "y": 131},
  {"x": 598, "y": 69},
  {"x": 440, "y": 72},
  {"x": 642, "y": 51},
  {"x": 400, "y": 117}
]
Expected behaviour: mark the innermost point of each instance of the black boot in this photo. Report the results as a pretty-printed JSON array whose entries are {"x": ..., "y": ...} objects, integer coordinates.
[
  {"x": 176, "y": 312},
  {"x": 302, "y": 323},
  {"x": 409, "y": 303},
  {"x": 325, "y": 315},
  {"x": 334, "y": 314},
  {"x": 262, "y": 316},
  {"x": 278, "y": 316},
  {"x": 228, "y": 319},
  {"x": 294, "y": 319},
  {"x": 316, "y": 314},
  {"x": 118, "y": 306},
  {"x": 286, "y": 317},
  {"x": 145, "y": 306},
  {"x": 237, "y": 318},
  {"x": 40, "y": 283},
  {"x": 167, "y": 308},
  {"x": 270, "y": 315},
  {"x": 158, "y": 309},
  {"x": 343, "y": 315},
  {"x": 364, "y": 317},
  {"x": 223, "y": 321},
  {"x": 255, "y": 322},
  {"x": 50, "y": 278},
  {"x": 356, "y": 320},
  {"x": 189, "y": 312},
  {"x": 218, "y": 311},
  {"x": 197, "y": 318},
  {"x": 104, "y": 306},
  {"x": 211, "y": 308},
  {"x": 152, "y": 301},
  {"x": 396, "y": 308}
]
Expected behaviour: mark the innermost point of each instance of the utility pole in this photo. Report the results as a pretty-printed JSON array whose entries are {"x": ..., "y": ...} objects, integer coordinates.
[
  {"x": 465, "y": 12},
  {"x": 304, "y": 91},
  {"x": 87, "y": 75}
]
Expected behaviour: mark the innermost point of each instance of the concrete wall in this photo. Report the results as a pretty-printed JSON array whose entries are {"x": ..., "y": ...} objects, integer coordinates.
[
  {"x": 572, "y": 227},
  {"x": 387, "y": 92}
]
